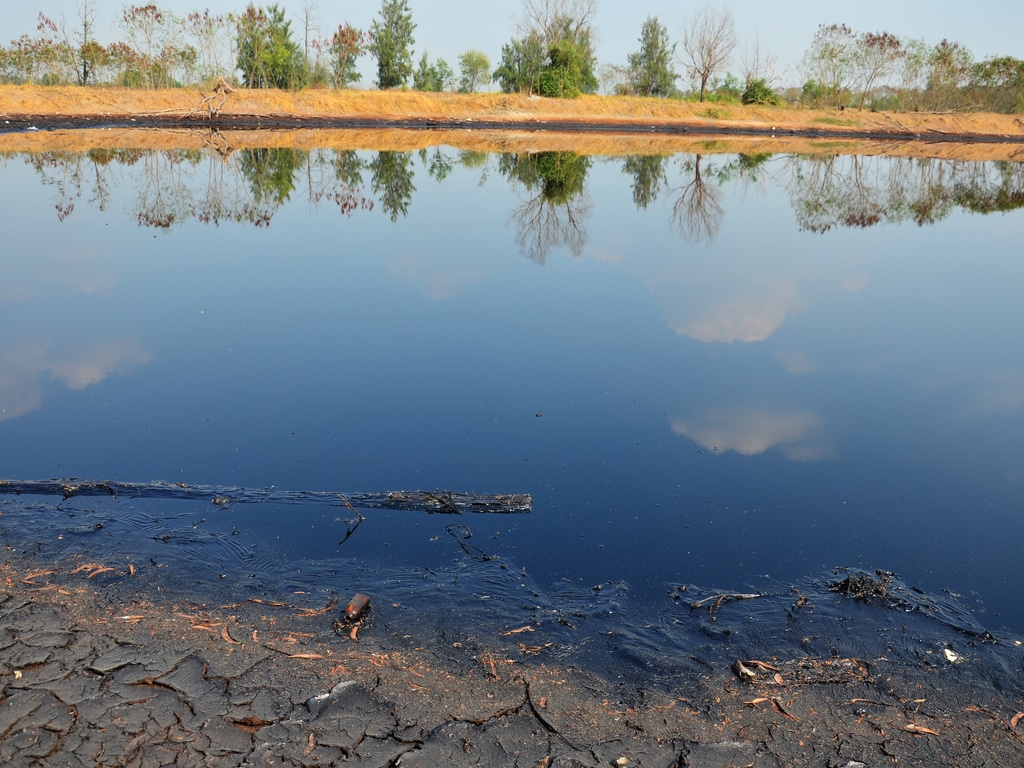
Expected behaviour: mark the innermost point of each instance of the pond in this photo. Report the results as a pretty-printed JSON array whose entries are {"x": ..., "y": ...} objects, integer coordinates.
[{"x": 715, "y": 374}]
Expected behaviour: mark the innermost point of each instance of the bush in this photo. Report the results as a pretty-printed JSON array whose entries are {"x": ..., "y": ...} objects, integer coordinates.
[{"x": 759, "y": 92}]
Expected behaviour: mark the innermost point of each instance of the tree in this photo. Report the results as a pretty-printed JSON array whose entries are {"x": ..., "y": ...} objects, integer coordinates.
[
  {"x": 150, "y": 31},
  {"x": 708, "y": 43},
  {"x": 830, "y": 63},
  {"x": 437, "y": 77},
  {"x": 876, "y": 56},
  {"x": 521, "y": 63},
  {"x": 347, "y": 45},
  {"x": 650, "y": 69},
  {"x": 267, "y": 54},
  {"x": 474, "y": 69},
  {"x": 949, "y": 66},
  {"x": 391, "y": 43}
]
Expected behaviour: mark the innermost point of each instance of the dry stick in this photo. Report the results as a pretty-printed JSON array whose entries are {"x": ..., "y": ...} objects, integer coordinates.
[{"x": 719, "y": 599}]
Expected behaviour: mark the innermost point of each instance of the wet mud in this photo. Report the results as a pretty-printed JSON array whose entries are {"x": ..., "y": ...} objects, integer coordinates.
[{"x": 92, "y": 676}]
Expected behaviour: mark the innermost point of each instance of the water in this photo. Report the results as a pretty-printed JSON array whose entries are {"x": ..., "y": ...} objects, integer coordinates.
[{"x": 719, "y": 372}]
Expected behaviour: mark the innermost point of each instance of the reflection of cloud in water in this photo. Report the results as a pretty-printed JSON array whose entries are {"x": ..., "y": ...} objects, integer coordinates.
[
  {"x": 22, "y": 369},
  {"x": 434, "y": 281},
  {"x": 745, "y": 318},
  {"x": 28, "y": 277},
  {"x": 1001, "y": 392},
  {"x": 752, "y": 431},
  {"x": 797, "y": 363}
]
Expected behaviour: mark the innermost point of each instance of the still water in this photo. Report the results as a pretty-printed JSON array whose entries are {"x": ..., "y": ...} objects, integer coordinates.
[{"x": 721, "y": 372}]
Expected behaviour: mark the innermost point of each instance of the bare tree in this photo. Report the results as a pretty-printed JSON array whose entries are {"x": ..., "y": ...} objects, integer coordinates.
[
  {"x": 547, "y": 17},
  {"x": 708, "y": 42},
  {"x": 758, "y": 64}
]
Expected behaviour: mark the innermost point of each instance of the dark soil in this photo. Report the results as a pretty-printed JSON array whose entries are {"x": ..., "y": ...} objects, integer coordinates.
[
  {"x": 596, "y": 126},
  {"x": 87, "y": 682}
]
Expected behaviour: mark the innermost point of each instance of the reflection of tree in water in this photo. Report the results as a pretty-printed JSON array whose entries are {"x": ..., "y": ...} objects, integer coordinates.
[
  {"x": 392, "y": 180},
  {"x": 72, "y": 172},
  {"x": 859, "y": 191},
  {"x": 208, "y": 185},
  {"x": 271, "y": 173},
  {"x": 697, "y": 212},
  {"x": 554, "y": 216},
  {"x": 650, "y": 177}
]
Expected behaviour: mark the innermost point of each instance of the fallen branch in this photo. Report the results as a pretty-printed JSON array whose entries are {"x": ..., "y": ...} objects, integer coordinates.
[{"x": 441, "y": 502}]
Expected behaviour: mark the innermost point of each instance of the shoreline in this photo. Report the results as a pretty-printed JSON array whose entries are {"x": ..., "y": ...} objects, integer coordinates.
[{"x": 95, "y": 665}]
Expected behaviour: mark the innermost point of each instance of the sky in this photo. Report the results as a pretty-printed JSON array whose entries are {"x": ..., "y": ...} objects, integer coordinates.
[{"x": 446, "y": 28}]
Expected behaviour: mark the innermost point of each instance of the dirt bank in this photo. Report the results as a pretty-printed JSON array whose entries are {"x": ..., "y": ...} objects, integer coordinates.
[{"x": 497, "y": 122}]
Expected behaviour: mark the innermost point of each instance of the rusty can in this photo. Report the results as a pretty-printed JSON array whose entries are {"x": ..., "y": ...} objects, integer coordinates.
[{"x": 357, "y": 608}]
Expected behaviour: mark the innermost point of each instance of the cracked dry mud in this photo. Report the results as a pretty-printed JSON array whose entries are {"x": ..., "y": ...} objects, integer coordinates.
[{"x": 85, "y": 683}]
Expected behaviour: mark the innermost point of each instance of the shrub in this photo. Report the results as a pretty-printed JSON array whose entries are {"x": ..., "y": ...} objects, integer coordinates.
[{"x": 759, "y": 92}]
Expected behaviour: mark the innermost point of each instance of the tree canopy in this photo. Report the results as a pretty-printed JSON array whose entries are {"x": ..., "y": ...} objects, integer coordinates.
[
  {"x": 267, "y": 55},
  {"x": 650, "y": 68},
  {"x": 392, "y": 43}
]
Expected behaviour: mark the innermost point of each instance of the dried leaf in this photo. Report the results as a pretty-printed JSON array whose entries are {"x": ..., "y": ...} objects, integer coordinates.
[
  {"x": 305, "y": 656},
  {"x": 755, "y": 702},
  {"x": 310, "y": 745},
  {"x": 778, "y": 679},
  {"x": 527, "y": 628},
  {"x": 1016, "y": 719},
  {"x": 227, "y": 637},
  {"x": 919, "y": 729}
]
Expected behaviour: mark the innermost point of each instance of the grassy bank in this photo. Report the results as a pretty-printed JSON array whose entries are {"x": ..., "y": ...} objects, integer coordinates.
[{"x": 1003, "y": 134}]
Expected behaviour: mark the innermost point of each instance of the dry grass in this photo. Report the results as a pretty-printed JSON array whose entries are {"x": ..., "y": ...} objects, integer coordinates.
[{"x": 608, "y": 112}]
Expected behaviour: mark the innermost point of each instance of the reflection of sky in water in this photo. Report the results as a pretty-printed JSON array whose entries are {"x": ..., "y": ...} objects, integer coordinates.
[{"x": 773, "y": 402}]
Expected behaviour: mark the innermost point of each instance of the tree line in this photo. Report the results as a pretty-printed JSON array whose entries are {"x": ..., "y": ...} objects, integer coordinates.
[{"x": 550, "y": 54}]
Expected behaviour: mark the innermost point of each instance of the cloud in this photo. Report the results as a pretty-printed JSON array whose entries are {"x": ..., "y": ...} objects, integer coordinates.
[
  {"x": 22, "y": 370},
  {"x": 753, "y": 431}
]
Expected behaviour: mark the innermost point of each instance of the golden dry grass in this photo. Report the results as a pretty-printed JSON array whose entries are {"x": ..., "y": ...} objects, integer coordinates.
[{"x": 608, "y": 112}]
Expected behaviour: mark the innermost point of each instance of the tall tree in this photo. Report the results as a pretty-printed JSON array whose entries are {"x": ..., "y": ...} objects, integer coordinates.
[
  {"x": 708, "y": 43},
  {"x": 392, "y": 43},
  {"x": 474, "y": 69},
  {"x": 650, "y": 69},
  {"x": 267, "y": 54}
]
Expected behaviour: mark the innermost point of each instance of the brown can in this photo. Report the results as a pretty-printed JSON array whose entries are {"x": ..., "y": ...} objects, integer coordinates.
[{"x": 357, "y": 608}]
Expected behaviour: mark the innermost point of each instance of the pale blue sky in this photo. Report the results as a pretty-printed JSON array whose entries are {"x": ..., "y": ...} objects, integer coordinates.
[{"x": 445, "y": 28}]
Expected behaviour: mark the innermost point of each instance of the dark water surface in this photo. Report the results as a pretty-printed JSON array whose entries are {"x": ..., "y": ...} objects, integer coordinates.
[{"x": 724, "y": 373}]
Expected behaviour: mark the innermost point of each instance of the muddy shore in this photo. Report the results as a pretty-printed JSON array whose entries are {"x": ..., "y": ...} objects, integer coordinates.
[{"x": 97, "y": 675}]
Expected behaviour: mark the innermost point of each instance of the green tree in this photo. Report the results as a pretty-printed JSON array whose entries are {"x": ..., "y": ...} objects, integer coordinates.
[
  {"x": 562, "y": 78},
  {"x": 267, "y": 55},
  {"x": 436, "y": 77},
  {"x": 650, "y": 69},
  {"x": 521, "y": 63},
  {"x": 392, "y": 43},
  {"x": 474, "y": 69}
]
